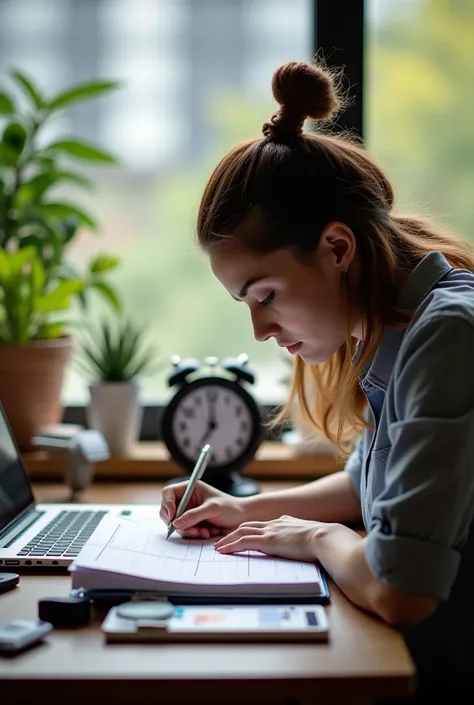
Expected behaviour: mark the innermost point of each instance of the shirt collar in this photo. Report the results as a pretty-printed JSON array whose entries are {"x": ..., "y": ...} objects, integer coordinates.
[{"x": 428, "y": 272}]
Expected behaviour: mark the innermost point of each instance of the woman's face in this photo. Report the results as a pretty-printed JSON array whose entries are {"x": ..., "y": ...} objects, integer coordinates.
[{"x": 300, "y": 304}]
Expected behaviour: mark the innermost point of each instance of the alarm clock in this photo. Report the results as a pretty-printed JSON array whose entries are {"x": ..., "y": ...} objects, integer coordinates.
[{"x": 212, "y": 405}]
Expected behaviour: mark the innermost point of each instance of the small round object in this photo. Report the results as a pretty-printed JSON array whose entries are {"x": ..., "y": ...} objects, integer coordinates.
[
  {"x": 145, "y": 610},
  {"x": 8, "y": 581}
]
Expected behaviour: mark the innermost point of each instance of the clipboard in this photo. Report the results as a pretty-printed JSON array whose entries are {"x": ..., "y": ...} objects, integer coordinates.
[{"x": 109, "y": 598}]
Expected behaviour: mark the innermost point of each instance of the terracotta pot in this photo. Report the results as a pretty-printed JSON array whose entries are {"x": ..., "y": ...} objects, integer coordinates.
[{"x": 31, "y": 378}]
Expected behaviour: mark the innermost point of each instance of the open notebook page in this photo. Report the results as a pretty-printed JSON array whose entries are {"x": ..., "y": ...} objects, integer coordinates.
[{"x": 131, "y": 554}]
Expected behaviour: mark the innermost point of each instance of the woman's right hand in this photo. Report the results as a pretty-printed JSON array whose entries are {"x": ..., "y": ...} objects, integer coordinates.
[{"x": 210, "y": 512}]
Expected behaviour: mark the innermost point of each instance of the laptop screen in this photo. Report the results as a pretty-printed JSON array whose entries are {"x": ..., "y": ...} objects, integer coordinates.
[{"x": 15, "y": 488}]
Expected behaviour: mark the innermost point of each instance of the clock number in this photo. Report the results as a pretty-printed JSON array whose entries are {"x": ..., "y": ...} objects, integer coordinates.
[
  {"x": 243, "y": 425},
  {"x": 238, "y": 411},
  {"x": 227, "y": 400},
  {"x": 189, "y": 413},
  {"x": 186, "y": 442}
]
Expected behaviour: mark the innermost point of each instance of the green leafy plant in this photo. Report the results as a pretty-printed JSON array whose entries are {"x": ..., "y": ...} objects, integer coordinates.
[
  {"x": 29, "y": 171},
  {"x": 29, "y": 304},
  {"x": 116, "y": 353}
]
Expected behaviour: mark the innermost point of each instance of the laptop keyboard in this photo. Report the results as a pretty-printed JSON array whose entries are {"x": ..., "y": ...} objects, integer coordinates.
[{"x": 65, "y": 535}]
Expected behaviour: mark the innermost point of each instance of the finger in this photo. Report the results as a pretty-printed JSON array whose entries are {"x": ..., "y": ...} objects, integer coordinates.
[
  {"x": 173, "y": 493},
  {"x": 244, "y": 543},
  {"x": 170, "y": 496},
  {"x": 197, "y": 532},
  {"x": 189, "y": 533},
  {"x": 227, "y": 538},
  {"x": 191, "y": 517},
  {"x": 243, "y": 530},
  {"x": 167, "y": 511}
]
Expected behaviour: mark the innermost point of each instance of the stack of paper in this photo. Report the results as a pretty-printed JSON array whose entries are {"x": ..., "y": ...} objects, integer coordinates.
[{"x": 131, "y": 554}]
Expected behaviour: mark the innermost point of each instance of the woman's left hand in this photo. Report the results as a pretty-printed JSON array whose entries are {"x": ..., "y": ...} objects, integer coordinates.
[{"x": 286, "y": 537}]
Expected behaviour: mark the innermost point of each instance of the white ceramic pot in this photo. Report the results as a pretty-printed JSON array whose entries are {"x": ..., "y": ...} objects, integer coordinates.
[{"x": 115, "y": 410}]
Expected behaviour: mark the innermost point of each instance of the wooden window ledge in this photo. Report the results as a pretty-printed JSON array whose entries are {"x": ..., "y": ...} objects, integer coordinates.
[{"x": 151, "y": 461}]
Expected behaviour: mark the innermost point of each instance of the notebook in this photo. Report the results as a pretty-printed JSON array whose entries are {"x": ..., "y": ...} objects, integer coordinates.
[{"x": 127, "y": 554}]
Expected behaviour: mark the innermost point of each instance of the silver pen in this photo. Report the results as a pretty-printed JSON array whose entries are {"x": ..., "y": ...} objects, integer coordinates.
[{"x": 196, "y": 475}]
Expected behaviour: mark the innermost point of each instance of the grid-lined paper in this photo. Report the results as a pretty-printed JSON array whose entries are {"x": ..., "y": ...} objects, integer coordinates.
[{"x": 140, "y": 549}]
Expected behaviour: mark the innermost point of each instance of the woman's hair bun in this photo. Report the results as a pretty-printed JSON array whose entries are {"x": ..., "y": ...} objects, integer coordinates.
[{"x": 303, "y": 90}]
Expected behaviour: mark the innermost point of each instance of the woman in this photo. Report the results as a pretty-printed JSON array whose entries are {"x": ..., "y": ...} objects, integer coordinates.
[{"x": 378, "y": 310}]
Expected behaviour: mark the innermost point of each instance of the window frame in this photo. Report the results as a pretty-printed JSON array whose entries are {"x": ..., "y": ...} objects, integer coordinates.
[{"x": 338, "y": 37}]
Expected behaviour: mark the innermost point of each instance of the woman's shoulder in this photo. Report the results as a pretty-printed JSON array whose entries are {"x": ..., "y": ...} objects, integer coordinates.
[
  {"x": 440, "y": 336},
  {"x": 434, "y": 368},
  {"x": 450, "y": 300}
]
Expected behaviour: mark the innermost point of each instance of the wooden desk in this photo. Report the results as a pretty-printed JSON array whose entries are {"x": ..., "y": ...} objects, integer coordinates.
[{"x": 363, "y": 660}]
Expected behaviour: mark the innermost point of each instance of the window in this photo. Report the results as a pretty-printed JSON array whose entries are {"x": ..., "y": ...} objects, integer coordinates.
[
  {"x": 419, "y": 104},
  {"x": 196, "y": 78}
]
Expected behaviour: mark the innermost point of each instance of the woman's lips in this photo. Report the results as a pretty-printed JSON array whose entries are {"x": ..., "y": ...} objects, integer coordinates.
[{"x": 293, "y": 349}]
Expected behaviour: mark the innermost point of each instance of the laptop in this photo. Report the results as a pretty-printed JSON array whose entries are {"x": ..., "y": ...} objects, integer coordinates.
[{"x": 48, "y": 536}]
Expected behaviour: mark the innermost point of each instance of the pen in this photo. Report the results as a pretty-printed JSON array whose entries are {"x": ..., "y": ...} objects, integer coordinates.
[{"x": 196, "y": 475}]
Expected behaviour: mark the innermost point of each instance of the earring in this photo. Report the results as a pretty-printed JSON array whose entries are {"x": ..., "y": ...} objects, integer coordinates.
[{"x": 345, "y": 278}]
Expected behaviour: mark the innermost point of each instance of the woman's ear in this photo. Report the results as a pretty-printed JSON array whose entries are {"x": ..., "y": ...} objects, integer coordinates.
[{"x": 339, "y": 240}]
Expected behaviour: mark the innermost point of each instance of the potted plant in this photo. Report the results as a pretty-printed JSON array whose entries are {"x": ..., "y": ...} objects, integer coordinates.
[
  {"x": 32, "y": 351},
  {"x": 114, "y": 357},
  {"x": 31, "y": 217}
]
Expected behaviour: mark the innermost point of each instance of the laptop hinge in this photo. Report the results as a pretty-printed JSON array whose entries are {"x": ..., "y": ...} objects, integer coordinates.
[{"x": 19, "y": 526}]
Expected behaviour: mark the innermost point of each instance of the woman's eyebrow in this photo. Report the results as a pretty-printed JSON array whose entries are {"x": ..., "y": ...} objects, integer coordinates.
[{"x": 250, "y": 282}]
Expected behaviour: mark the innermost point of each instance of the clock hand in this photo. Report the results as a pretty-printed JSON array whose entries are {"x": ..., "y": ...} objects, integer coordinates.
[
  {"x": 211, "y": 419},
  {"x": 207, "y": 434},
  {"x": 212, "y": 398}
]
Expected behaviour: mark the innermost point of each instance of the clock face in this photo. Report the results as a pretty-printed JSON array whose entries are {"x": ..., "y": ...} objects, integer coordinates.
[{"x": 214, "y": 414}]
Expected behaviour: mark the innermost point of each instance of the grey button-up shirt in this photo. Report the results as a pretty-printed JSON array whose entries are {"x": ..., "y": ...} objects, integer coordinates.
[{"x": 414, "y": 473}]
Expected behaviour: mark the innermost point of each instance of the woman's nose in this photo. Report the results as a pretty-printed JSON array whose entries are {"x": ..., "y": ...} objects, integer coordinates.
[{"x": 263, "y": 327}]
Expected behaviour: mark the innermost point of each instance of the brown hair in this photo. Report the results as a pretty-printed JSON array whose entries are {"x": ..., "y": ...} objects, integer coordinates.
[{"x": 301, "y": 181}]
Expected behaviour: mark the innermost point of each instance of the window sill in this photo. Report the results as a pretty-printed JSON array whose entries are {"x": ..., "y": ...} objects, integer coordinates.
[{"x": 151, "y": 461}]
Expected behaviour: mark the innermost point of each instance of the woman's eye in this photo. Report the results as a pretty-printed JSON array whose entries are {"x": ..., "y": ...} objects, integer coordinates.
[{"x": 268, "y": 300}]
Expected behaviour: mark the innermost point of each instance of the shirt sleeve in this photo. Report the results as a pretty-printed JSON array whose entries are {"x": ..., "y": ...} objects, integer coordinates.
[
  {"x": 353, "y": 466},
  {"x": 420, "y": 522}
]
